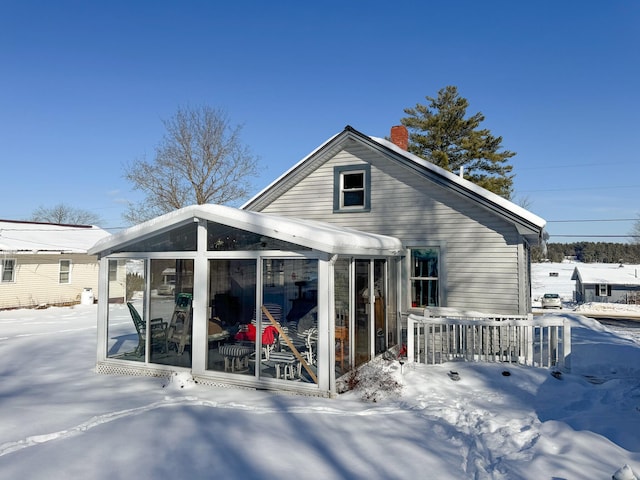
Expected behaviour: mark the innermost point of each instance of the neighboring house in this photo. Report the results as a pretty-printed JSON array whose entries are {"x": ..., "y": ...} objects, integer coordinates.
[
  {"x": 607, "y": 283},
  {"x": 331, "y": 257},
  {"x": 46, "y": 264},
  {"x": 467, "y": 248}
]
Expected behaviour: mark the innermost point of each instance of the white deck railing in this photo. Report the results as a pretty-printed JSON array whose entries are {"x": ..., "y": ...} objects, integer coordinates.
[{"x": 541, "y": 342}]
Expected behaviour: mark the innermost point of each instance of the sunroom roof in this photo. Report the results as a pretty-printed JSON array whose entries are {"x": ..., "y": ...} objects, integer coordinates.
[{"x": 319, "y": 236}]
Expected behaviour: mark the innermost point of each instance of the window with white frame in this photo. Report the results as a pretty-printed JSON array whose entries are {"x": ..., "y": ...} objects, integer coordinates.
[
  {"x": 603, "y": 290},
  {"x": 113, "y": 271},
  {"x": 65, "y": 271},
  {"x": 8, "y": 270},
  {"x": 352, "y": 188},
  {"x": 424, "y": 277}
]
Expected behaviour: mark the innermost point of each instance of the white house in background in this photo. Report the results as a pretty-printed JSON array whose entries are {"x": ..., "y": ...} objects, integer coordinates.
[
  {"x": 45, "y": 263},
  {"x": 607, "y": 283}
]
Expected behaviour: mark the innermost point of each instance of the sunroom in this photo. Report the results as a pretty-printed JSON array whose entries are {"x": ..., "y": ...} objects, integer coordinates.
[{"x": 246, "y": 298}]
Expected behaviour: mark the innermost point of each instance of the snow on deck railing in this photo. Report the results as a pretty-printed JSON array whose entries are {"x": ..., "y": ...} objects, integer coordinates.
[{"x": 542, "y": 342}]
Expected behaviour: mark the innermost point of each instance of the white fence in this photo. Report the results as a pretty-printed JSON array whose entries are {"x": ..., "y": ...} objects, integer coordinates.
[{"x": 542, "y": 342}]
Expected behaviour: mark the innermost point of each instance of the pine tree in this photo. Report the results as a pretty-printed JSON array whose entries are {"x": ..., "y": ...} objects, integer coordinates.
[{"x": 440, "y": 133}]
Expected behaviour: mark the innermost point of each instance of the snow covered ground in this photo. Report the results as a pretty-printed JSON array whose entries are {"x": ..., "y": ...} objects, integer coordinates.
[{"x": 58, "y": 419}]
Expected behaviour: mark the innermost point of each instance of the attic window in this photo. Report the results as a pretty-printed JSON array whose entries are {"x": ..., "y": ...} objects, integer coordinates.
[{"x": 352, "y": 188}]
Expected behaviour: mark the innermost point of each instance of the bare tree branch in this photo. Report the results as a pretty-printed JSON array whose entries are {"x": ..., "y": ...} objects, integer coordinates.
[
  {"x": 199, "y": 160},
  {"x": 62, "y": 213}
]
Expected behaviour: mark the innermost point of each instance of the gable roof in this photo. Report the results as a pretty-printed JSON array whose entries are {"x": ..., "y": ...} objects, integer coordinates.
[
  {"x": 528, "y": 224},
  {"x": 610, "y": 274},
  {"x": 20, "y": 237},
  {"x": 320, "y": 236}
]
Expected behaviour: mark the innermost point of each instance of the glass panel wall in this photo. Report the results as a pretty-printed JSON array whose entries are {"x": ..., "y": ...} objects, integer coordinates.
[
  {"x": 341, "y": 293},
  {"x": 392, "y": 304},
  {"x": 126, "y": 329},
  {"x": 243, "y": 340},
  {"x": 289, "y": 334},
  {"x": 380, "y": 305},
  {"x": 232, "y": 306},
  {"x": 362, "y": 306},
  {"x": 170, "y": 312},
  {"x": 223, "y": 238},
  {"x": 179, "y": 239}
]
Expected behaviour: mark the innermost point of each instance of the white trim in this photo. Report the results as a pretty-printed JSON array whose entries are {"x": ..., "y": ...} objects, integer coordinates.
[
  {"x": 13, "y": 270},
  {"x": 68, "y": 272},
  {"x": 321, "y": 236}
]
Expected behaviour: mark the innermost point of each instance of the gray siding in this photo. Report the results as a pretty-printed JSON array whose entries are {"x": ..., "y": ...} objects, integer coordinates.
[{"x": 480, "y": 264}]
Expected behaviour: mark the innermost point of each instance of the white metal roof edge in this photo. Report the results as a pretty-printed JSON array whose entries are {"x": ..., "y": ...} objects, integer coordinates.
[{"x": 317, "y": 235}]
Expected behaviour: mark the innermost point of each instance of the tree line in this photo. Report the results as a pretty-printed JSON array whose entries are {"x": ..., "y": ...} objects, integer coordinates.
[{"x": 589, "y": 252}]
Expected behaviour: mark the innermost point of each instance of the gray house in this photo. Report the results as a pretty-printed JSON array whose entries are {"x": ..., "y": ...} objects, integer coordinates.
[
  {"x": 607, "y": 283},
  {"x": 467, "y": 248},
  {"x": 313, "y": 276}
]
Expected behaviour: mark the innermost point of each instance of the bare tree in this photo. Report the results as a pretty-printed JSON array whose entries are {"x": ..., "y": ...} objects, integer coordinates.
[
  {"x": 62, "y": 213},
  {"x": 199, "y": 160}
]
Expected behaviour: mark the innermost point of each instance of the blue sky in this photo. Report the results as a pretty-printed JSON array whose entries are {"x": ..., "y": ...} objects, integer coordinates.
[{"x": 84, "y": 87}]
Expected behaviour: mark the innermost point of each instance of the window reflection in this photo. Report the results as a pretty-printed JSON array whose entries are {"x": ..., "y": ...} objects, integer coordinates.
[
  {"x": 232, "y": 301},
  {"x": 170, "y": 311},
  {"x": 126, "y": 328},
  {"x": 243, "y": 339}
]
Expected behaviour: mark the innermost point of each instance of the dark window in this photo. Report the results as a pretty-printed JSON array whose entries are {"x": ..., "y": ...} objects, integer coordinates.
[
  {"x": 8, "y": 270},
  {"x": 424, "y": 277},
  {"x": 352, "y": 188},
  {"x": 225, "y": 238}
]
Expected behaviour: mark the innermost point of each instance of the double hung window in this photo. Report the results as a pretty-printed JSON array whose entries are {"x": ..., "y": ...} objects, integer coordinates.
[
  {"x": 65, "y": 271},
  {"x": 352, "y": 188},
  {"x": 424, "y": 277},
  {"x": 8, "y": 270}
]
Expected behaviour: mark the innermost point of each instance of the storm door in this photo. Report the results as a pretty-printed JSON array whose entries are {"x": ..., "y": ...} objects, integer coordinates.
[
  {"x": 362, "y": 327},
  {"x": 370, "y": 309}
]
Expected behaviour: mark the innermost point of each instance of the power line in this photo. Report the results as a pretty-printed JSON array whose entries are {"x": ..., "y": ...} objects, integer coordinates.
[
  {"x": 595, "y": 220},
  {"x": 595, "y": 236},
  {"x": 563, "y": 189},
  {"x": 574, "y": 165}
]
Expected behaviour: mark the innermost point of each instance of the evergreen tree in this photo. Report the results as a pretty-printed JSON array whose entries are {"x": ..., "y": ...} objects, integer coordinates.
[{"x": 440, "y": 133}]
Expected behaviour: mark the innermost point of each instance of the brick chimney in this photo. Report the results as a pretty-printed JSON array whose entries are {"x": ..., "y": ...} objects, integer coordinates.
[{"x": 400, "y": 136}]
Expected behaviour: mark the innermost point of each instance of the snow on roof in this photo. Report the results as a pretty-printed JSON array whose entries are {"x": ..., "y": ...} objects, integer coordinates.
[
  {"x": 35, "y": 237},
  {"x": 317, "y": 235},
  {"x": 491, "y": 197},
  {"x": 478, "y": 190},
  {"x": 607, "y": 273}
]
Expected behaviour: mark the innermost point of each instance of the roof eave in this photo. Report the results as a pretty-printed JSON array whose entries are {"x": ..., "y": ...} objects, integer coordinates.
[{"x": 305, "y": 233}]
